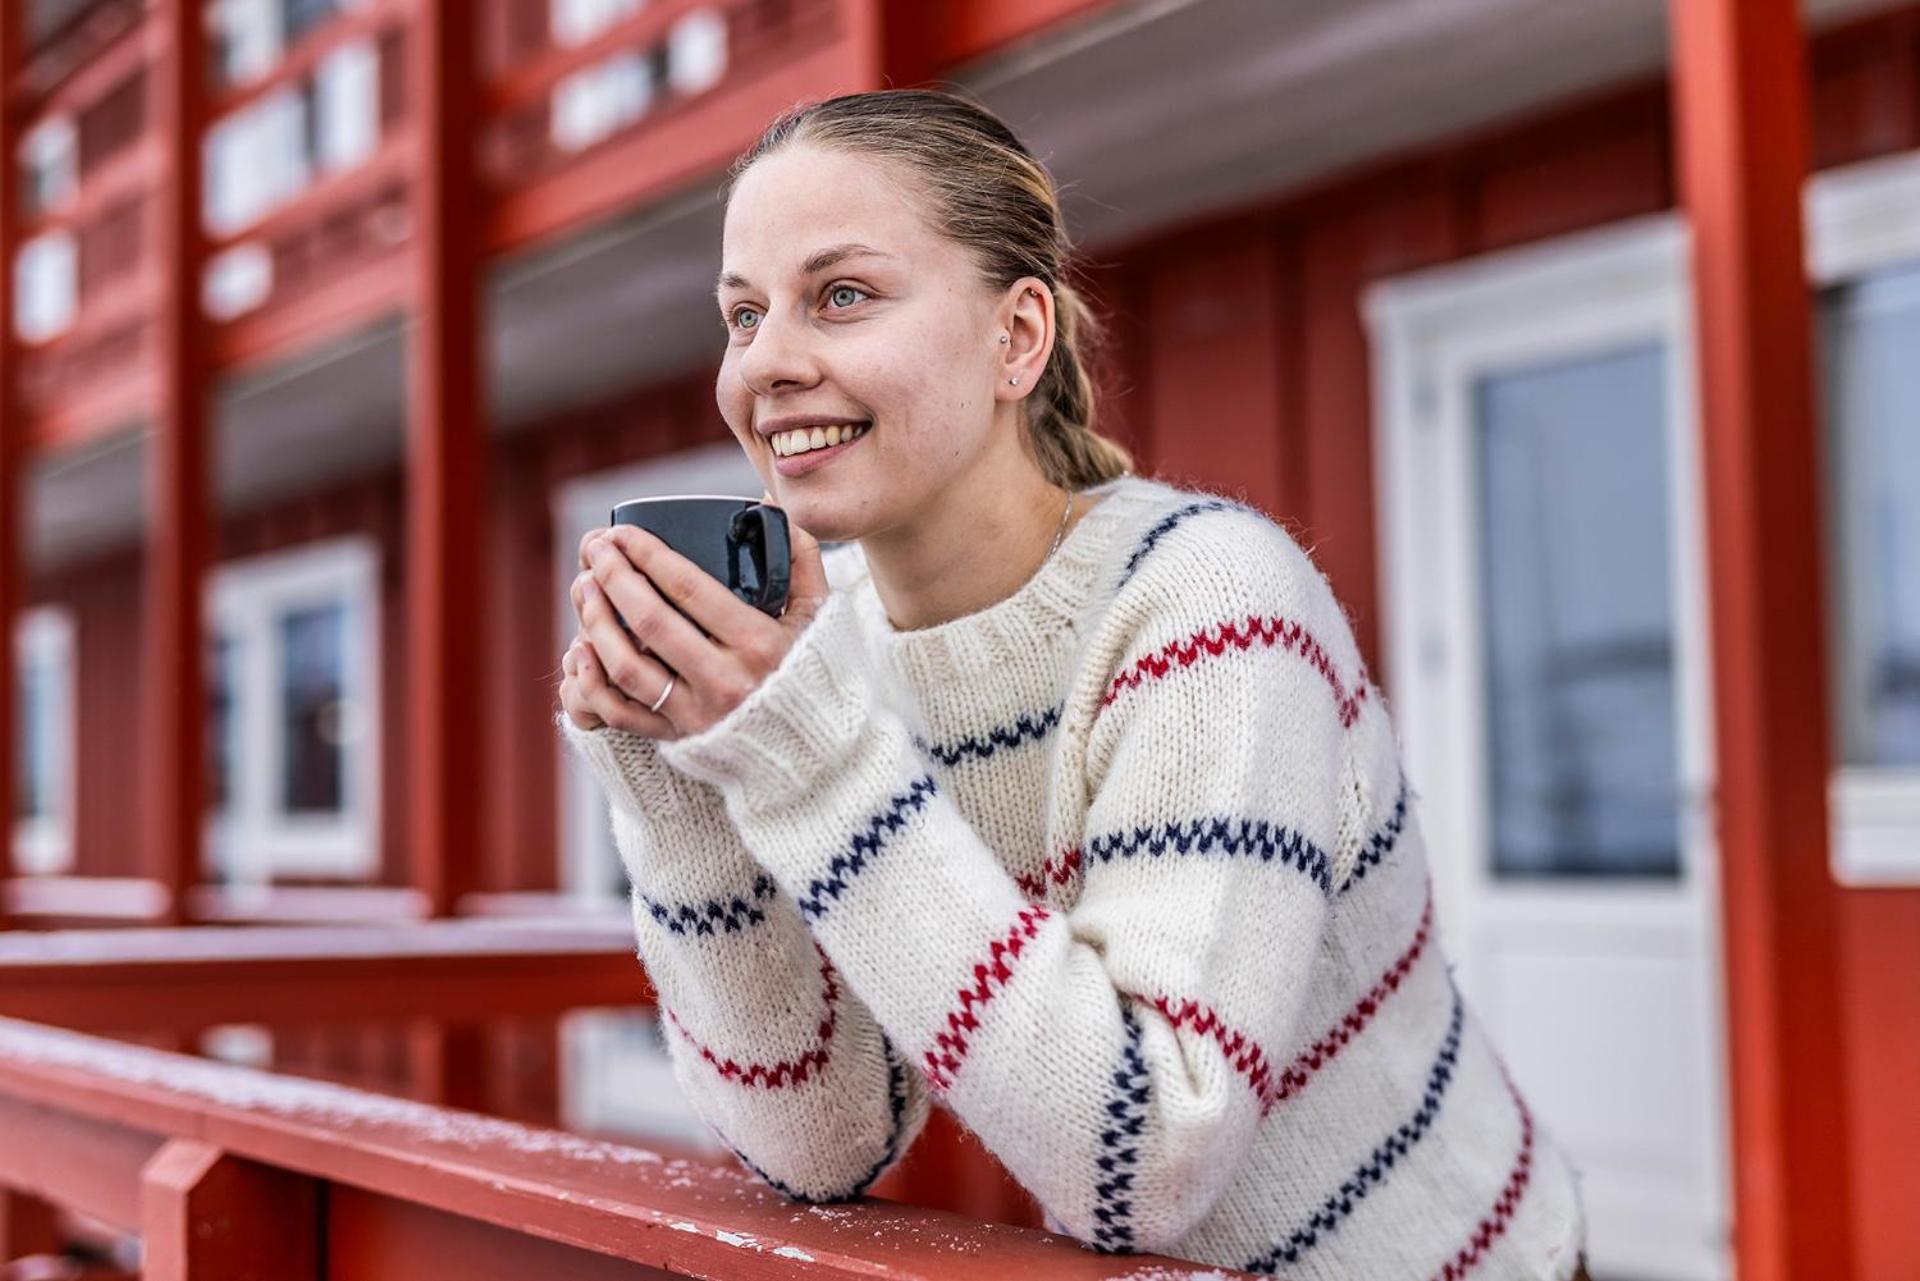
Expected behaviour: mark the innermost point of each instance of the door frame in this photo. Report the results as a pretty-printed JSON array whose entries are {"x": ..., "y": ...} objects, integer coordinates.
[{"x": 1433, "y": 333}]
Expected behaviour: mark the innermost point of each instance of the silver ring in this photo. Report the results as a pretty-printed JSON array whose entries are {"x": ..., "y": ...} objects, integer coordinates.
[{"x": 657, "y": 703}]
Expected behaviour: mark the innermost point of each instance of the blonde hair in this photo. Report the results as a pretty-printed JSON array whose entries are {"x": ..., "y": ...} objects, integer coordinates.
[{"x": 989, "y": 195}]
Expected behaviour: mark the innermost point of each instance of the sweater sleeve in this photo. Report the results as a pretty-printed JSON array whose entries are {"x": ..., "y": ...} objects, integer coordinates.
[
  {"x": 1118, "y": 1056},
  {"x": 767, "y": 1045}
]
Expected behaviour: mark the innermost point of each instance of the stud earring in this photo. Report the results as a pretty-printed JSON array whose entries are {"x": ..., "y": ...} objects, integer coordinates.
[
  {"x": 1004, "y": 338},
  {"x": 1014, "y": 381}
]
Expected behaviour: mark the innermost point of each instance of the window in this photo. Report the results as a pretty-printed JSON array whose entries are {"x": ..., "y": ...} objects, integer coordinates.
[
  {"x": 292, "y": 701},
  {"x": 251, "y": 36},
  {"x": 1864, "y": 238},
  {"x": 597, "y": 102},
  {"x": 46, "y": 282},
  {"x": 1578, "y": 629},
  {"x": 49, "y": 164},
  {"x": 43, "y": 743},
  {"x": 265, "y": 154}
]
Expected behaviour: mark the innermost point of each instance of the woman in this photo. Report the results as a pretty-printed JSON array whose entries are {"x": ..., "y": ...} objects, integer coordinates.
[{"x": 1059, "y": 794}]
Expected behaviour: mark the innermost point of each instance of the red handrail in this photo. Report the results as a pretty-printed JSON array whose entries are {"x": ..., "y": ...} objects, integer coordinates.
[{"x": 210, "y": 1162}]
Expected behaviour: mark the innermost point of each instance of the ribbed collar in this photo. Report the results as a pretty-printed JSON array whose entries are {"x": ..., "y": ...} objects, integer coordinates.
[{"x": 1030, "y": 621}]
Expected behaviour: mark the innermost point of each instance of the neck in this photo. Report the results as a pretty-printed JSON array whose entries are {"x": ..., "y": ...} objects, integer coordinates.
[{"x": 981, "y": 542}]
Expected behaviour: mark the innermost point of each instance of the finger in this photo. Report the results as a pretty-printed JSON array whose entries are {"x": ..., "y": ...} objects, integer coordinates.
[
  {"x": 639, "y": 675},
  {"x": 572, "y": 697},
  {"x": 587, "y": 540},
  {"x": 607, "y": 701},
  {"x": 640, "y": 572},
  {"x": 808, "y": 582}
]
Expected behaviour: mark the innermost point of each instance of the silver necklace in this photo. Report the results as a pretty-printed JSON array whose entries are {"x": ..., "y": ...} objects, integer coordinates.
[{"x": 1060, "y": 532}]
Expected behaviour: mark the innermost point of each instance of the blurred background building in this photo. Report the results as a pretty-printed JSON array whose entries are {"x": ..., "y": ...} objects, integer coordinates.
[{"x": 335, "y": 322}]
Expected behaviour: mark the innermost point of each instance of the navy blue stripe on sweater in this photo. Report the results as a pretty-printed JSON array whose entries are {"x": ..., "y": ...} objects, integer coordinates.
[
  {"x": 1374, "y": 1170},
  {"x": 1167, "y": 524},
  {"x": 1382, "y": 842},
  {"x": 727, "y": 915},
  {"x": 1120, "y": 1144},
  {"x": 1026, "y": 729},
  {"x": 896, "y": 1126},
  {"x": 866, "y": 845},
  {"x": 1226, "y": 837}
]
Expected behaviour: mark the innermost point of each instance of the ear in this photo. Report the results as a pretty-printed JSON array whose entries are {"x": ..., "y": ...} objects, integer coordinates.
[{"x": 1026, "y": 318}]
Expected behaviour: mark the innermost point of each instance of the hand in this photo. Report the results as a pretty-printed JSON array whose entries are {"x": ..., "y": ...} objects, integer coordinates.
[{"x": 611, "y": 681}]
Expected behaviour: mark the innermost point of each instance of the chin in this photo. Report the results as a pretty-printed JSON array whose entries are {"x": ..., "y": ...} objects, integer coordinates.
[{"x": 824, "y": 516}]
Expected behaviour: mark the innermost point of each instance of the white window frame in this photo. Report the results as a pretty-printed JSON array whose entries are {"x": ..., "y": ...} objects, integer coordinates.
[
  {"x": 43, "y": 844},
  {"x": 1861, "y": 220},
  {"x": 253, "y": 841}
]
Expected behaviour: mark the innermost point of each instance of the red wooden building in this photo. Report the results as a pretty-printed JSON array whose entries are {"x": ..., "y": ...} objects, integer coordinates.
[{"x": 1581, "y": 343}]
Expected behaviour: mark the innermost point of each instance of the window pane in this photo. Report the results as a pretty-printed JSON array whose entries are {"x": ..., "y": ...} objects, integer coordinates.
[
  {"x": 1579, "y": 630},
  {"x": 222, "y": 654},
  {"x": 312, "y": 685},
  {"x": 35, "y": 746},
  {"x": 1874, "y": 439}
]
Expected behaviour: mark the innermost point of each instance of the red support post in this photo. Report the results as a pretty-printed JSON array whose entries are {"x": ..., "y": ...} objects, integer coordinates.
[
  {"x": 173, "y": 685},
  {"x": 13, "y": 488},
  {"x": 209, "y": 1216},
  {"x": 1741, "y": 119},
  {"x": 446, "y": 469}
]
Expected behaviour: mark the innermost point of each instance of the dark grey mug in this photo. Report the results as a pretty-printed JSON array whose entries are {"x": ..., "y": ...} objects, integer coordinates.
[{"x": 740, "y": 541}]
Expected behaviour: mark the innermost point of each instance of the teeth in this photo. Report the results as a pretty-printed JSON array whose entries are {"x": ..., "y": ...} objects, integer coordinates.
[{"x": 788, "y": 443}]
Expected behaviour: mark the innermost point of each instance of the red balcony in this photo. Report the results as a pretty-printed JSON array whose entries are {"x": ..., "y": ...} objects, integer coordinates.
[{"x": 575, "y": 128}]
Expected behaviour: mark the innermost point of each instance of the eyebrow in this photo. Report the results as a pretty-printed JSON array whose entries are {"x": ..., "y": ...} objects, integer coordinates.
[{"x": 820, "y": 260}]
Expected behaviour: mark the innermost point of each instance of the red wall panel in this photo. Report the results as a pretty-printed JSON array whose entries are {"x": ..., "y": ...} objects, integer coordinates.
[{"x": 1212, "y": 354}]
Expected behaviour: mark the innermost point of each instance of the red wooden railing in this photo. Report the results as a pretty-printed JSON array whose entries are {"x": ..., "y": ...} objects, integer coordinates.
[
  {"x": 227, "y": 1173},
  {"x": 210, "y": 1164}
]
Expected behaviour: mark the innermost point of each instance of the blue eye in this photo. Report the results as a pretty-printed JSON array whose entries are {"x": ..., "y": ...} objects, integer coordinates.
[
  {"x": 835, "y": 296},
  {"x": 745, "y": 318}
]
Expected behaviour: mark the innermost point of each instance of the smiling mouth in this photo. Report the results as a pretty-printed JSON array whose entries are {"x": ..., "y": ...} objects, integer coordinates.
[{"x": 804, "y": 440}]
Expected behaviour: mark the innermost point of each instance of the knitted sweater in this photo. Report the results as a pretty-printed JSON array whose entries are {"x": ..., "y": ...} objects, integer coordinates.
[{"x": 1123, "y": 870}]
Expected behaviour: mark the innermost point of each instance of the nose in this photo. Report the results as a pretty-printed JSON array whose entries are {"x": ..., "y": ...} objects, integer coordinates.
[{"x": 780, "y": 358}]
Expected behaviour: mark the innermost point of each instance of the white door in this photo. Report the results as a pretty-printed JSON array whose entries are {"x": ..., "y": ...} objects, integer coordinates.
[{"x": 1547, "y": 656}]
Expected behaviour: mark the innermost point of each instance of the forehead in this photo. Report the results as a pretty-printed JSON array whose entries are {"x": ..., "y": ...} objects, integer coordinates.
[{"x": 801, "y": 199}]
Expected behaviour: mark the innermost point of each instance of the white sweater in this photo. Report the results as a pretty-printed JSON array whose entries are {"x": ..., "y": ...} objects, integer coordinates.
[{"x": 1122, "y": 868}]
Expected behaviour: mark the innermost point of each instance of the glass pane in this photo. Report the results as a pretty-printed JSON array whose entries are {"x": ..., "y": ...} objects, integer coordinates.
[
  {"x": 302, "y": 16},
  {"x": 312, "y": 687},
  {"x": 1579, "y": 629},
  {"x": 222, "y": 725},
  {"x": 1874, "y": 437},
  {"x": 36, "y": 734}
]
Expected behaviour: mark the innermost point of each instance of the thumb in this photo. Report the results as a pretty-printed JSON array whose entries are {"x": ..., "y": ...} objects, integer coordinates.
[{"x": 807, "y": 582}]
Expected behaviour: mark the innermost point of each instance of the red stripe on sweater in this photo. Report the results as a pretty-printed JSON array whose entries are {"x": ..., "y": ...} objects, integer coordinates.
[
  {"x": 1355, "y": 1020},
  {"x": 774, "y": 1076},
  {"x": 1264, "y": 631},
  {"x": 1034, "y": 885},
  {"x": 1505, "y": 1206},
  {"x": 989, "y": 978},
  {"x": 1248, "y": 1059}
]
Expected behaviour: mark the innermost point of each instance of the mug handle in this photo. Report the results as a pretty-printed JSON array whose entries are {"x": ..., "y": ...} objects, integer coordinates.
[{"x": 768, "y": 544}]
